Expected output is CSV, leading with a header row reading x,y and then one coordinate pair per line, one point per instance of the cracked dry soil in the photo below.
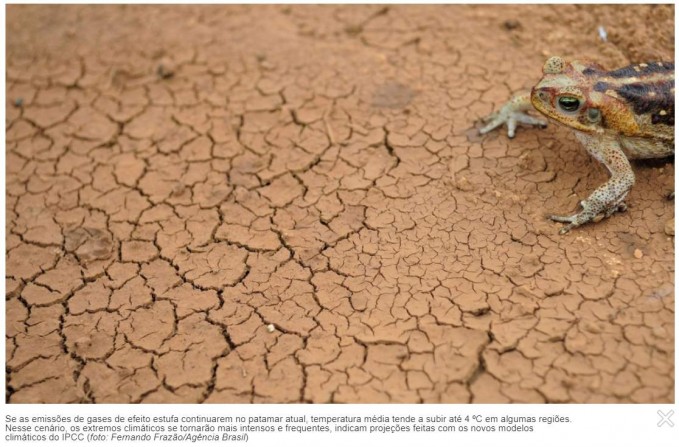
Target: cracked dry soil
x,y
291,204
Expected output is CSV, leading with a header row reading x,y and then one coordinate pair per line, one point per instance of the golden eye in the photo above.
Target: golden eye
x,y
569,104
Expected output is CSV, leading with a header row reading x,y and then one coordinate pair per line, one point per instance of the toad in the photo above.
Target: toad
x,y
616,115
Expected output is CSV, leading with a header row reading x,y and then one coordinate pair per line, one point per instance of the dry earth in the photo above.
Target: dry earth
x,y
291,204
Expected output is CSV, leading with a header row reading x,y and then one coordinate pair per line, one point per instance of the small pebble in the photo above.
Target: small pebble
x,y
638,254
178,189
511,24
659,332
669,227
593,328
270,328
166,68
18,102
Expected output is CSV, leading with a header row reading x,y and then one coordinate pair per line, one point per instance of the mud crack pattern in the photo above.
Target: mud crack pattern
x,y
290,204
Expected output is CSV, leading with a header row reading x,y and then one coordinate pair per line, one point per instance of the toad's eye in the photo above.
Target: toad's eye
x,y
569,104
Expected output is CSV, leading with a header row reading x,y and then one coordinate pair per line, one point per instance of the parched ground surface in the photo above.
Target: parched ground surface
x,y
291,204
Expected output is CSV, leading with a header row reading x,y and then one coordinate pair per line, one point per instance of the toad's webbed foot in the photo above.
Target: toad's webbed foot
x,y
512,114
587,213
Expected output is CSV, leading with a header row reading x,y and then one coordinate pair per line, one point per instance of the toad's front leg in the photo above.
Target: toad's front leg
x,y
607,198
511,114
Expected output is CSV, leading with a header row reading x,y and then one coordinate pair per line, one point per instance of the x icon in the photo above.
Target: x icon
x,y
665,418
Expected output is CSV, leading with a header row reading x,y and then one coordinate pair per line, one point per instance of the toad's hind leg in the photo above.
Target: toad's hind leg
x,y
609,197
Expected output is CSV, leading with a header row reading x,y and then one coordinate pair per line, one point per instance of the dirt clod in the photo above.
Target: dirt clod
x,y
669,227
89,244
511,24
166,68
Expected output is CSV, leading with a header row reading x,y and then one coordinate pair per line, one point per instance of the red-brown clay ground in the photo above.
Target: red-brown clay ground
x,y
291,204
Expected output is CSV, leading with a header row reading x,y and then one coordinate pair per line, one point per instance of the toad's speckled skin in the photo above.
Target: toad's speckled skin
x,y
617,115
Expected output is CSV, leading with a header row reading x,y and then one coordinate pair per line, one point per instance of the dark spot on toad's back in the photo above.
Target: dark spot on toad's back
x,y
600,87
654,98
591,71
